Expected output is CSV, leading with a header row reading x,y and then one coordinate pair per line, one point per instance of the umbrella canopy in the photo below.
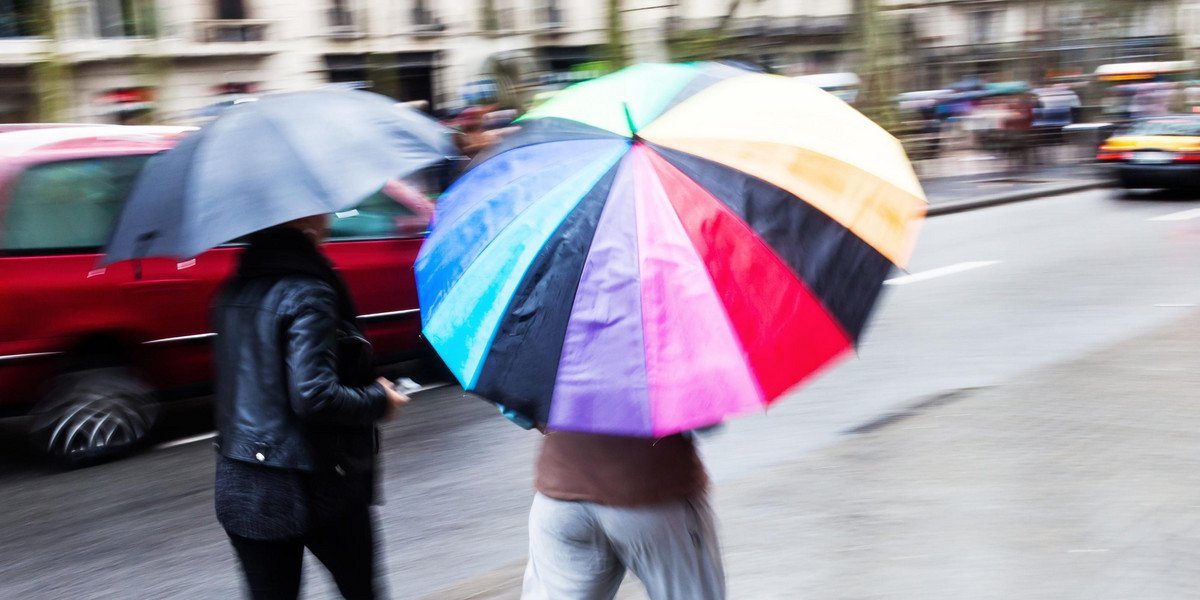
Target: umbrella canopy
x,y
665,247
264,163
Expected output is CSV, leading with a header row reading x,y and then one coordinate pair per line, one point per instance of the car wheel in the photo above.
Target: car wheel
x,y
93,415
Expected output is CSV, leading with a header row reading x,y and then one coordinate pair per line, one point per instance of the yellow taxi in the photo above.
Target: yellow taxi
x,y
1156,152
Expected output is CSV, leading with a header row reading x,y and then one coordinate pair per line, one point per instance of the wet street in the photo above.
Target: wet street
x,y
990,296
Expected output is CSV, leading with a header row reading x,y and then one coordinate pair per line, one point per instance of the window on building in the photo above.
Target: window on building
x,y
422,16
68,205
498,15
552,14
341,14
118,18
983,23
17,18
231,9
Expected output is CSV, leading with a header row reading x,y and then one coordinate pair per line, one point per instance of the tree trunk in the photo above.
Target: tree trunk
x,y
877,43
51,74
618,53
151,67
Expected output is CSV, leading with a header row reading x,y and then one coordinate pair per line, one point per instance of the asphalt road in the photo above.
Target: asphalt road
x,y
989,296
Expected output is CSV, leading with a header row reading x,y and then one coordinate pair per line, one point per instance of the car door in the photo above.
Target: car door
x,y
54,218
374,247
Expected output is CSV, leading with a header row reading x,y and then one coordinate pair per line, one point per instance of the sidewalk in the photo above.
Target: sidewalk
x,y
1080,481
971,176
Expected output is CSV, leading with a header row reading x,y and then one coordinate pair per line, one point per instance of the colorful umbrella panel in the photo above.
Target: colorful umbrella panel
x,y
664,248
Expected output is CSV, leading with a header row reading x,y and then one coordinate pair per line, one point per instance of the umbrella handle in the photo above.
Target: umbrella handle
x,y
140,248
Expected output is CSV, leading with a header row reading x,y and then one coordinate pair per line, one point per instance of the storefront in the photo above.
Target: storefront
x,y
565,59
17,100
405,76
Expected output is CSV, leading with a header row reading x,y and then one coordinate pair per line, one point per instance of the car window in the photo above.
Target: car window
x,y
380,216
1165,126
68,205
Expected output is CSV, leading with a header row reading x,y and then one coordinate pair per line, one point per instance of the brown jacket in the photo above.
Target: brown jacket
x,y
618,471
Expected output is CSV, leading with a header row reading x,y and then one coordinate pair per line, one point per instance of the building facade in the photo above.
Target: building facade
x,y
167,60
122,60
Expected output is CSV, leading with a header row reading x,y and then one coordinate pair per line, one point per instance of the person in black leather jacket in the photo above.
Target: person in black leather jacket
x,y
296,408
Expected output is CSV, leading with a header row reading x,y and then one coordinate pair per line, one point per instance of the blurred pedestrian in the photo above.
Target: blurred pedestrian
x,y
296,412
473,137
608,504
1019,142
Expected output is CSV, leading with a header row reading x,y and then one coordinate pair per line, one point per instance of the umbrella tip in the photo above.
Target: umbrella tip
x,y
629,120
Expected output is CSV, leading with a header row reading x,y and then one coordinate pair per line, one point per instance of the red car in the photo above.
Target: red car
x,y
88,352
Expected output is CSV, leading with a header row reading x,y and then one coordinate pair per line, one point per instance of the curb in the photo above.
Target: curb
x,y
950,208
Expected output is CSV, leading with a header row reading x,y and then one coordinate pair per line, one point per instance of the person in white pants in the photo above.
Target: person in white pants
x,y
608,505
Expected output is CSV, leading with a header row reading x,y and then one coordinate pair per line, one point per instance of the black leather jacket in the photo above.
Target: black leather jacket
x,y
282,398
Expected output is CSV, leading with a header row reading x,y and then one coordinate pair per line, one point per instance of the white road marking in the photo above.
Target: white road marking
x,y
1183,215
1176,305
187,440
940,272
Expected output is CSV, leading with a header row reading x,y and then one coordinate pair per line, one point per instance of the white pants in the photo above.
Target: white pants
x,y
580,551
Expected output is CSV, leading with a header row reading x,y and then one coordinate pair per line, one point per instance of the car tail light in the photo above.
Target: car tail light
x,y
1192,157
1113,156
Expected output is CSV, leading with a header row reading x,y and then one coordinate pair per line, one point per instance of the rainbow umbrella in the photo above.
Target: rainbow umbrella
x,y
665,247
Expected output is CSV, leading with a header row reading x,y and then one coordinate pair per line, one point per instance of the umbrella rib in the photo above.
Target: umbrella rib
x,y
574,178
185,234
727,319
479,202
750,228
756,239
918,202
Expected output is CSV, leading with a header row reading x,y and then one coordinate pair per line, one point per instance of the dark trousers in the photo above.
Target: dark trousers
x,y
346,546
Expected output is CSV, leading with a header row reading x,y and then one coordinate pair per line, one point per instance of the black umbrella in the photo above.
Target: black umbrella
x,y
268,162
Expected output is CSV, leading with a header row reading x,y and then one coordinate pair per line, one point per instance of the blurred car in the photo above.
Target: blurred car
x,y
87,353
1155,152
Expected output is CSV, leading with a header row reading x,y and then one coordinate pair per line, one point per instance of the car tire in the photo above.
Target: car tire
x,y
93,415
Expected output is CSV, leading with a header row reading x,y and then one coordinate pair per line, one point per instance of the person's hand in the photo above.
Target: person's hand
x,y
396,399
